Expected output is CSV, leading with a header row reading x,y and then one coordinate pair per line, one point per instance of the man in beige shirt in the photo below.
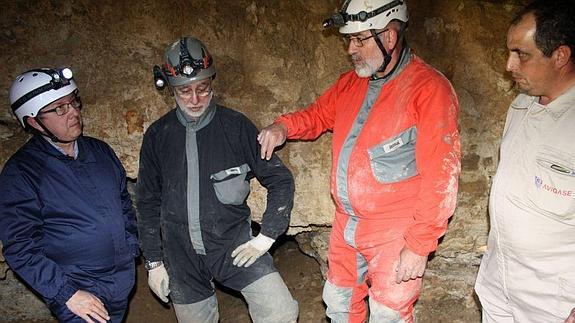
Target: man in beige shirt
x,y
528,271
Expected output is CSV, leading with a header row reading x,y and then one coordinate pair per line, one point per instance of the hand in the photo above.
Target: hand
x,y
247,253
571,318
159,282
270,137
411,265
88,307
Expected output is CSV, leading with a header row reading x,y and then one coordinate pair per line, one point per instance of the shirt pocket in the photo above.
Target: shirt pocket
x,y
394,160
231,186
553,187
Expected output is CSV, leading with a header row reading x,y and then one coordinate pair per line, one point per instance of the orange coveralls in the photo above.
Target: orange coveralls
x,y
394,180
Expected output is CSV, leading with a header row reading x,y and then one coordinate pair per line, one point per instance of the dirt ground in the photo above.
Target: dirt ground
x,y
301,273
303,277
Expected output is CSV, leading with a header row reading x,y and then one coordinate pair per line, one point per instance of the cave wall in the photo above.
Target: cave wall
x,y
271,57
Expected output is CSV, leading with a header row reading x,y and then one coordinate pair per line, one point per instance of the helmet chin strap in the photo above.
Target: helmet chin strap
x,y
49,134
386,56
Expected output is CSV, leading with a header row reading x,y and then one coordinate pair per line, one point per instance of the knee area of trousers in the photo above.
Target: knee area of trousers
x,y
205,311
337,298
379,312
269,300
287,313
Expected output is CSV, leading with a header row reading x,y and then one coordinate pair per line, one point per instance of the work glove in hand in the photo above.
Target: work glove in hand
x,y
159,282
247,253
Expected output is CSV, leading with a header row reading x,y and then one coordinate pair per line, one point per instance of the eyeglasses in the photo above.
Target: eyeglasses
x,y
186,92
62,109
358,41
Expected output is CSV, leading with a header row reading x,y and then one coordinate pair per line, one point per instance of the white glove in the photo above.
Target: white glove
x,y
159,282
247,253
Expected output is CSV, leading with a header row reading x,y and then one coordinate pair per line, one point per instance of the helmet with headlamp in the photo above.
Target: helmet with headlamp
x,y
360,15
187,60
33,90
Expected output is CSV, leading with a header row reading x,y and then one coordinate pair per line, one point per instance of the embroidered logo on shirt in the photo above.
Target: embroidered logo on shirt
x,y
538,182
393,145
554,190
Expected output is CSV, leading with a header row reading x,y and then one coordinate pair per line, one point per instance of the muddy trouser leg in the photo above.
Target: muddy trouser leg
x,y
345,290
345,304
389,301
381,313
269,300
205,311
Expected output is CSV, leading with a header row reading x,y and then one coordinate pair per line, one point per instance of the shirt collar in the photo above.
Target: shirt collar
x,y
560,105
555,108
75,152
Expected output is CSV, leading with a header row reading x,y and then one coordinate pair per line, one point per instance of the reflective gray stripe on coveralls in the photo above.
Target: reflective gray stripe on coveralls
x,y
349,143
193,187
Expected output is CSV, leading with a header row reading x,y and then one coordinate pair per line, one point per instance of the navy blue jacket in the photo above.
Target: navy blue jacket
x,y
68,224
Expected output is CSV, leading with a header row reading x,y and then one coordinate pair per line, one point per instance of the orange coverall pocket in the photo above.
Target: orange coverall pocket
x,y
394,159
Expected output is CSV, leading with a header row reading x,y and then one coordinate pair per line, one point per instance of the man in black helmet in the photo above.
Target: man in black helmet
x,y
66,218
194,223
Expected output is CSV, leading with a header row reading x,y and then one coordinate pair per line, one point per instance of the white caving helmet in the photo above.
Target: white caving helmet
x,y
360,15
187,60
33,90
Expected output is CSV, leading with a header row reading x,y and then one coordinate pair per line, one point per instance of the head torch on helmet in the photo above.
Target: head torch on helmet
x,y
341,18
34,89
60,78
186,62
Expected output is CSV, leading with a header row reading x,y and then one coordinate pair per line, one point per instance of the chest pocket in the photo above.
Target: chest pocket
x,y
394,160
231,186
553,186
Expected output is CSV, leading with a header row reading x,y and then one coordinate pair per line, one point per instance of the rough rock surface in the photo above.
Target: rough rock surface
x,y
272,57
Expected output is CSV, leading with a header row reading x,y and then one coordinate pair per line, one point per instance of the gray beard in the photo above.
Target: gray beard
x,y
364,71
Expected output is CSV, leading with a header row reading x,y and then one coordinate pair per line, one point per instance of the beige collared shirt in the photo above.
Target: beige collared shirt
x,y
531,249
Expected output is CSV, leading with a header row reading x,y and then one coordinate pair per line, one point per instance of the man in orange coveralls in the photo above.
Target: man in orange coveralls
x,y
395,164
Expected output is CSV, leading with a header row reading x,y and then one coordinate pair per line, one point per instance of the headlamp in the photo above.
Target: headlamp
x,y
185,59
187,67
341,18
187,70
67,73
337,20
60,77
159,78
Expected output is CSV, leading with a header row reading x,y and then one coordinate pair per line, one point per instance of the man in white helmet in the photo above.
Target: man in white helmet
x,y
195,166
395,164
66,218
